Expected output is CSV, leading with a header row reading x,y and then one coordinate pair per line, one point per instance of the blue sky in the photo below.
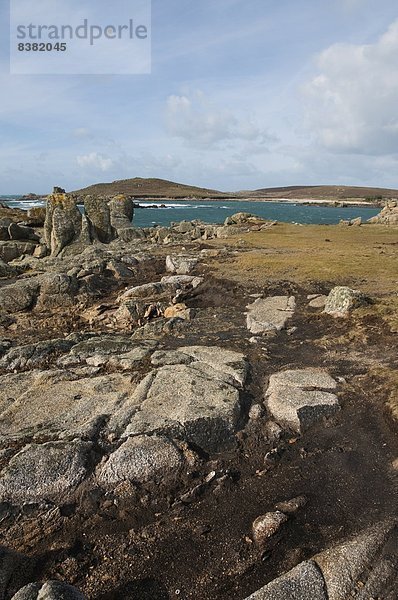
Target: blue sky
x,y
243,94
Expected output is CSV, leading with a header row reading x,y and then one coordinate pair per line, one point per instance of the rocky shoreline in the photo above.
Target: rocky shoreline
x,y
168,432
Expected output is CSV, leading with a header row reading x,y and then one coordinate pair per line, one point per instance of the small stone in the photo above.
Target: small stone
x,y
318,302
290,507
266,526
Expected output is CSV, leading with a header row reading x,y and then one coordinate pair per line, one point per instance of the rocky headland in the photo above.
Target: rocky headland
x,y
196,411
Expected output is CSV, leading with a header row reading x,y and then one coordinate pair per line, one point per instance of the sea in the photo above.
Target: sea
x,y
152,213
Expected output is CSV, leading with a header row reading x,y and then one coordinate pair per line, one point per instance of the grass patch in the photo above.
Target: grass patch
x,y
365,257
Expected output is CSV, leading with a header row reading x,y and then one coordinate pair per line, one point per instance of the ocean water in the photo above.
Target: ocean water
x,y
217,211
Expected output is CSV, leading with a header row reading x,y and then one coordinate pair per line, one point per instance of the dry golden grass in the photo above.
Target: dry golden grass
x,y
365,257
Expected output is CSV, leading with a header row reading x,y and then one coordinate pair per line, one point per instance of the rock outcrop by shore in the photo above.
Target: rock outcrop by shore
x,y
166,429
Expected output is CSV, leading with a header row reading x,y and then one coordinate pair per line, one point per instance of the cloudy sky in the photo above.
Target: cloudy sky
x,y
242,94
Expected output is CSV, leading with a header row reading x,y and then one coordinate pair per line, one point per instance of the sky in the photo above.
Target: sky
x,y
242,94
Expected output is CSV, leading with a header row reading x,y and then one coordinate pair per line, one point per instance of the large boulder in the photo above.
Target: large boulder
x,y
63,224
37,216
299,398
342,300
198,402
14,249
99,217
121,212
19,296
20,232
56,289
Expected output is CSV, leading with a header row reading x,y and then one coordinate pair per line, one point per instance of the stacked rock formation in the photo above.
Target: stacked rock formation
x,y
105,219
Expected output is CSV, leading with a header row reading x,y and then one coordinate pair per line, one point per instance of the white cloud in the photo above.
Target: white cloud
x,y
95,161
353,99
200,123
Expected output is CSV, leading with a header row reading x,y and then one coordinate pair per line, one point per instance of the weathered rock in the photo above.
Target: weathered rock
x,y
121,216
371,558
342,300
191,402
141,459
99,216
60,405
180,281
304,582
32,356
19,232
244,218
63,224
114,351
178,310
7,270
145,291
266,526
14,249
388,216
270,314
181,265
290,507
50,471
56,289
19,296
226,365
318,301
297,399
4,235
51,590
37,216
9,562
160,289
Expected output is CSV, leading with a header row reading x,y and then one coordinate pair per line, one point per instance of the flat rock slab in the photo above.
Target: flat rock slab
x,y
371,558
141,459
51,590
181,265
50,471
54,405
298,399
226,365
115,350
181,402
270,314
304,582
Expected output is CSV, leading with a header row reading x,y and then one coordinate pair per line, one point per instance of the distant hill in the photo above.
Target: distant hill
x,y
323,192
161,188
149,188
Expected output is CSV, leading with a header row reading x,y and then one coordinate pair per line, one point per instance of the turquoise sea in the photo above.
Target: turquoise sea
x,y
217,211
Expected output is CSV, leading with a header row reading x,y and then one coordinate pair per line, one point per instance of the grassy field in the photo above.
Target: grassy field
x,y
365,257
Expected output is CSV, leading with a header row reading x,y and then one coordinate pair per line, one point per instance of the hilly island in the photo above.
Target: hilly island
x,y
159,188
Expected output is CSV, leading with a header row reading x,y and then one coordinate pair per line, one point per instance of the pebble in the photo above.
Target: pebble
x,y
266,526
291,506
